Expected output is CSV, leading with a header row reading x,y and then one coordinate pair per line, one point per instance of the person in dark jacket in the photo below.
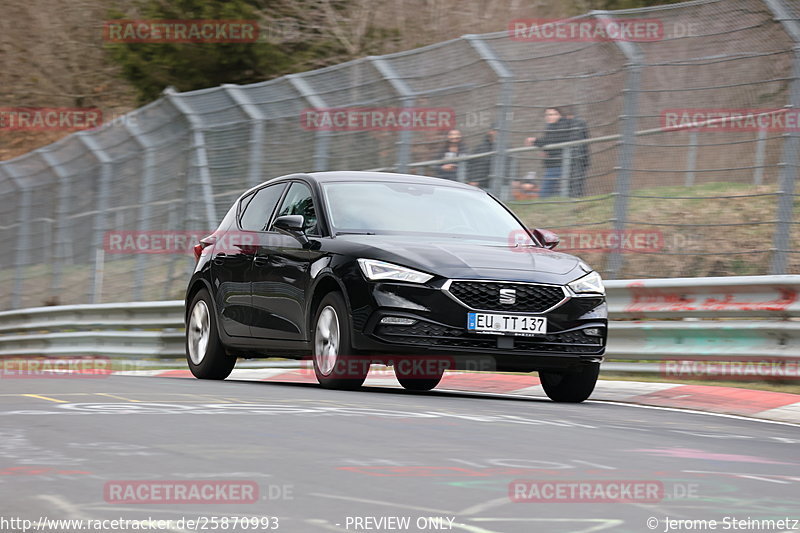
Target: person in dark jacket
x,y
558,131
579,166
480,170
453,147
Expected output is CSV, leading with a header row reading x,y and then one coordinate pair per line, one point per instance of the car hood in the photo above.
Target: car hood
x,y
457,258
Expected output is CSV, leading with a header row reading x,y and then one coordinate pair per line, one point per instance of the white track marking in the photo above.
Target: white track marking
x,y
474,529
746,475
75,512
759,478
64,505
605,523
610,402
324,524
475,509
379,502
640,406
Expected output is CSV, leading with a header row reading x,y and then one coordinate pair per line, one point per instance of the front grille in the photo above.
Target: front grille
x,y
422,329
428,334
485,296
520,345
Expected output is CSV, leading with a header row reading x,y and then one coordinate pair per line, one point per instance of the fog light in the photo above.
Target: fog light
x,y
397,321
593,332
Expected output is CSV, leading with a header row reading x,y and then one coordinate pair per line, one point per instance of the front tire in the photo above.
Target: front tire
x,y
570,388
205,353
424,378
334,363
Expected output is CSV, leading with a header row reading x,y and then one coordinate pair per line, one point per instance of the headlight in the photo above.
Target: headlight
x,y
379,270
590,283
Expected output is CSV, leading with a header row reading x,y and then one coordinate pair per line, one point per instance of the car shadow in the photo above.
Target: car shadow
x,y
441,393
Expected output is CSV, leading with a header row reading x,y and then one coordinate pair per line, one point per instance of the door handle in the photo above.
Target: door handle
x,y
261,260
219,259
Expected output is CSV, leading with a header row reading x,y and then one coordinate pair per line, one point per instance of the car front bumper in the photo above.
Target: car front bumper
x,y
440,329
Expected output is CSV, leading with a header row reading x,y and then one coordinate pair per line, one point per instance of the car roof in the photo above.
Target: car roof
x,y
353,175
356,175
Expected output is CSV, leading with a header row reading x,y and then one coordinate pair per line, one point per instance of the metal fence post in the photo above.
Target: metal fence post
x,y
691,159
22,252
145,199
630,107
461,171
788,177
172,221
781,243
497,174
257,119
12,198
408,99
61,238
101,208
566,169
21,256
761,150
200,163
321,137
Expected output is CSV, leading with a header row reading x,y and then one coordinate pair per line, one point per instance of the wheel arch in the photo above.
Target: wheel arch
x,y
326,284
195,287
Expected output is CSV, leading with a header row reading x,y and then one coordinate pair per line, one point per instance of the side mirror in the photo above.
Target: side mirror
x,y
293,225
289,223
549,239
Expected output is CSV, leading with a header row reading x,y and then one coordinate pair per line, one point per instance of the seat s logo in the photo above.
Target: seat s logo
x,y
508,296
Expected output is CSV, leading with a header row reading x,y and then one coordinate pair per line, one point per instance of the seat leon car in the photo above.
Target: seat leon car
x,y
423,274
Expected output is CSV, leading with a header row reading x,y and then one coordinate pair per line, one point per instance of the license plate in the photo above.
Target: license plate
x,y
506,324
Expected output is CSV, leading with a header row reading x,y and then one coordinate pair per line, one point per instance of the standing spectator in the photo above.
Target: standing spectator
x,y
558,131
479,170
453,147
579,166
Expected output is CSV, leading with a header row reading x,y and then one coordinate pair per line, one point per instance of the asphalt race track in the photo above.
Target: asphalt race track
x,y
323,460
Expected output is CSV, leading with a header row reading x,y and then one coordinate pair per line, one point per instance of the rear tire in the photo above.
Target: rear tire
x,y
570,388
335,365
205,353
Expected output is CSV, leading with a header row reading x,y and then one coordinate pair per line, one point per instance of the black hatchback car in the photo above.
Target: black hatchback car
x,y
425,274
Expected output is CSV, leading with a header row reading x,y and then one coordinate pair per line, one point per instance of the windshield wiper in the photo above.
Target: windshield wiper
x,y
354,233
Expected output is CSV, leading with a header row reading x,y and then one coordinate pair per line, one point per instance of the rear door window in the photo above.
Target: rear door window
x,y
260,206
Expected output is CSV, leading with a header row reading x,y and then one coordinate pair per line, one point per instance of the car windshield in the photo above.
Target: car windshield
x,y
403,208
